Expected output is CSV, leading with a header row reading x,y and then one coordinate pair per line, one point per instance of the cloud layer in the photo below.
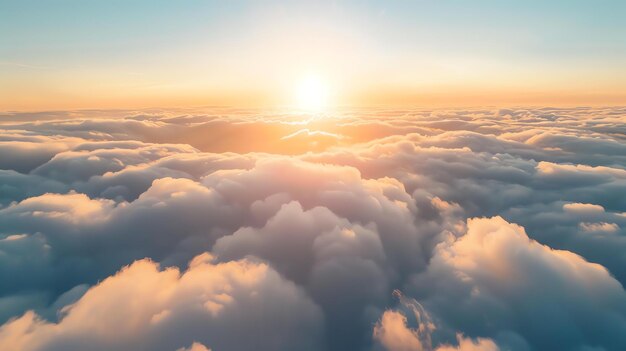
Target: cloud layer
x,y
168,230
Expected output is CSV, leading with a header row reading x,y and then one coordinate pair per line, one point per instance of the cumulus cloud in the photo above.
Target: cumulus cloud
x,y
582,208
504,229
394,334
599,227
551,298
145,308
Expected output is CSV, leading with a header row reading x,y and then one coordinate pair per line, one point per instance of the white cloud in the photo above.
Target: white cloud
x,y
142,307
336,224
599,227
582,208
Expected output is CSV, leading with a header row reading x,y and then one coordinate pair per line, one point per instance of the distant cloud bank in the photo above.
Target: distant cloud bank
x,y
394,230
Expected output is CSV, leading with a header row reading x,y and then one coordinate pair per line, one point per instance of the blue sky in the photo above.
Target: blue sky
x,y
255,48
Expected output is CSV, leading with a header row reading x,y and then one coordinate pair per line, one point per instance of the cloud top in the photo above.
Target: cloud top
x,y
418,229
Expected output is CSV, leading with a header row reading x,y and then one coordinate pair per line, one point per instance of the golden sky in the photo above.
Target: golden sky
x,y
87,55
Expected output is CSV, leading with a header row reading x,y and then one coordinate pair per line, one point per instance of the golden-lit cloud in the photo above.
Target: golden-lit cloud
x,y
398,229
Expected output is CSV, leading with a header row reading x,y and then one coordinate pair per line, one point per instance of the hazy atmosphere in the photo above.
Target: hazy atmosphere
x,y
333,175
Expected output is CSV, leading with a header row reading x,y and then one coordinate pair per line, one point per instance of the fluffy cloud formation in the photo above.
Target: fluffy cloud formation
x,y
508,226
394,334
144,308
554,298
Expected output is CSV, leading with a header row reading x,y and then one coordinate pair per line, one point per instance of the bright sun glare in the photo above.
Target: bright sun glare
x,y
312,94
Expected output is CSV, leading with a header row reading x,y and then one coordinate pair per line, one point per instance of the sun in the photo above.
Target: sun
x,y
312,94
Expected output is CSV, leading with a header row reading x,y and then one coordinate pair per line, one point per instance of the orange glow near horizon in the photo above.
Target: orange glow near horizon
x,y
313,98
361,57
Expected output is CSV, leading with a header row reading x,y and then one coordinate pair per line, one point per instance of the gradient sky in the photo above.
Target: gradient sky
x,y
104,54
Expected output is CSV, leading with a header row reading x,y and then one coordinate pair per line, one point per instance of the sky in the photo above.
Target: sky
x,y
119,54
